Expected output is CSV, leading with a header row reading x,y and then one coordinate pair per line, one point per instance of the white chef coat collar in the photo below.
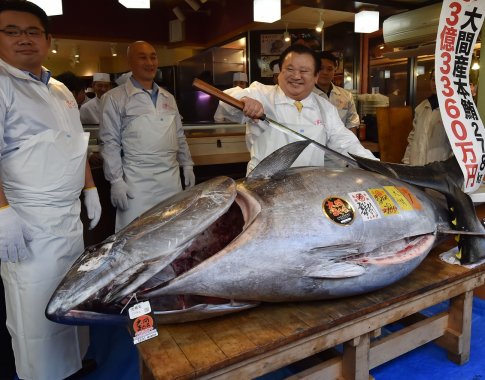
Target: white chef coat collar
x,y
134,87
281,98
45,74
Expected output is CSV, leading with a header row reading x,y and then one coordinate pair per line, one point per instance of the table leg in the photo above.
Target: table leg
x,y
456,339
355,361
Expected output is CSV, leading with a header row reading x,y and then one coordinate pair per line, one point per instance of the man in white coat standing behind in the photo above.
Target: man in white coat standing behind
x,y
144,142
90,111
43,170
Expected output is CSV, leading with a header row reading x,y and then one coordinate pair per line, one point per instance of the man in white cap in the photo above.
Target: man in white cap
x,y
240,80
90,110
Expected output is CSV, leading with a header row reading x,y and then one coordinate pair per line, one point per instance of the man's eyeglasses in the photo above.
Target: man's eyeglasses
x,y
17,32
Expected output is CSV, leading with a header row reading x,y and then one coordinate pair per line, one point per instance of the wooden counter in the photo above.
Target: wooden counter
x,y
261,340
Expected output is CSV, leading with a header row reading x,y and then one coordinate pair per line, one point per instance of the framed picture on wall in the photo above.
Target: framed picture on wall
x,y
273,44
264,62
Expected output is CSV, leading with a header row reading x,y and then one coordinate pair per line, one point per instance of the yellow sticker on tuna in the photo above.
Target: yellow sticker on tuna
x,y
384,202
399,198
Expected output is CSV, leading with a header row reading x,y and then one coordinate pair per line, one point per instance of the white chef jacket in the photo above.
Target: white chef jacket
x,y
42,166
317,120
427,141
344,102
116,117
90,111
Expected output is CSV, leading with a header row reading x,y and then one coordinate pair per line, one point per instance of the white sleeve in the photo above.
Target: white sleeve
x,y
110,135
342,139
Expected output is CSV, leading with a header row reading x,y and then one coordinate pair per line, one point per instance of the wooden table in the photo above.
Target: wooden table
x,y
261,340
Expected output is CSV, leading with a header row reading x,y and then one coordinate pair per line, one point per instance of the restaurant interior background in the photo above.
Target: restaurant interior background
x,y
219,37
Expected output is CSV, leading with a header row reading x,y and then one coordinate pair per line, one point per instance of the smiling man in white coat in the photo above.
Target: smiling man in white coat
x,y
144,142
293,103
43,170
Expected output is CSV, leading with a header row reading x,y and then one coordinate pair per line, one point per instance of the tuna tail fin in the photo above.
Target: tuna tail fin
x,y
279,160
445,177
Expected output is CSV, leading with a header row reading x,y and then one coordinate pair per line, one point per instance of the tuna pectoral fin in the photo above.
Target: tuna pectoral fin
x,y
279,160
335,270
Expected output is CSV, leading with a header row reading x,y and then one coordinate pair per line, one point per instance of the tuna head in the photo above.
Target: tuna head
x,y
150,251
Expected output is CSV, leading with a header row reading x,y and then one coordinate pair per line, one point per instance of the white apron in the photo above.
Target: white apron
x,y
42,181
150,165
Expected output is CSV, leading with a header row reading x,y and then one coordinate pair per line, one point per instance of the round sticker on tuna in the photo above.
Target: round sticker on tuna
x,y
338,210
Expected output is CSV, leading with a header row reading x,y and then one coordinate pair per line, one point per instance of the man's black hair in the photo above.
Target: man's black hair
x,y
328,55
28,7
301,49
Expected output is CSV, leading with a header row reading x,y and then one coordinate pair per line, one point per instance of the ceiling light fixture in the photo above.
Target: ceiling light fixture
x,y
114,53
136,4
194,4
366,22
319,26
286,35
267,10
178,12
50,7
54,47
203,1
475,63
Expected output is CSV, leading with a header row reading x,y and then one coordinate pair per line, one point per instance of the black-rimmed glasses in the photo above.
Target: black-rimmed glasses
x,y
17,32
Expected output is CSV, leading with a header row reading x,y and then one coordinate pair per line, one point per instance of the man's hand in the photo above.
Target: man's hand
x,y
189,176
93,206
252,108
13,235
120,194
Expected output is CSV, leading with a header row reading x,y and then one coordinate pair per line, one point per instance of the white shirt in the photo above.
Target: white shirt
x,y
317,120
90,111
119,107
427,141
344,102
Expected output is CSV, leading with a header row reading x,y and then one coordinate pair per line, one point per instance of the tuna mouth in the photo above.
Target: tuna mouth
x,y
110,304
166,309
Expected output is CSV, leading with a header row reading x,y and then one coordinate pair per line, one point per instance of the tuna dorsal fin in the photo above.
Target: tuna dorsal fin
x,y
279,160
442,176
447,178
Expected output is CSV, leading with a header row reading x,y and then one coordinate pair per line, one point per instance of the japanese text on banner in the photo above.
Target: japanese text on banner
x,y
459,27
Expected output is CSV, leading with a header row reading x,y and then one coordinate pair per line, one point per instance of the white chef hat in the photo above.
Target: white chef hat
x,y
240,77
101,77
123,78
89,89
276,69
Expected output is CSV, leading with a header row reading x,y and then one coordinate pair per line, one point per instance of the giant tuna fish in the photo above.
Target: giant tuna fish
x,y
280,234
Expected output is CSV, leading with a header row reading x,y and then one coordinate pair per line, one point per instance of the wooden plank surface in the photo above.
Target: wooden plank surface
x,y
198,348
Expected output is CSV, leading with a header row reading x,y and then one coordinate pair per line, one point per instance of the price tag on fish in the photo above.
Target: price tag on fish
x,y
143,326
139,308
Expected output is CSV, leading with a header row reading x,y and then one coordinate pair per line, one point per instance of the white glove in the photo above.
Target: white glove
x,y
93,207
120,194
13,235
189,176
